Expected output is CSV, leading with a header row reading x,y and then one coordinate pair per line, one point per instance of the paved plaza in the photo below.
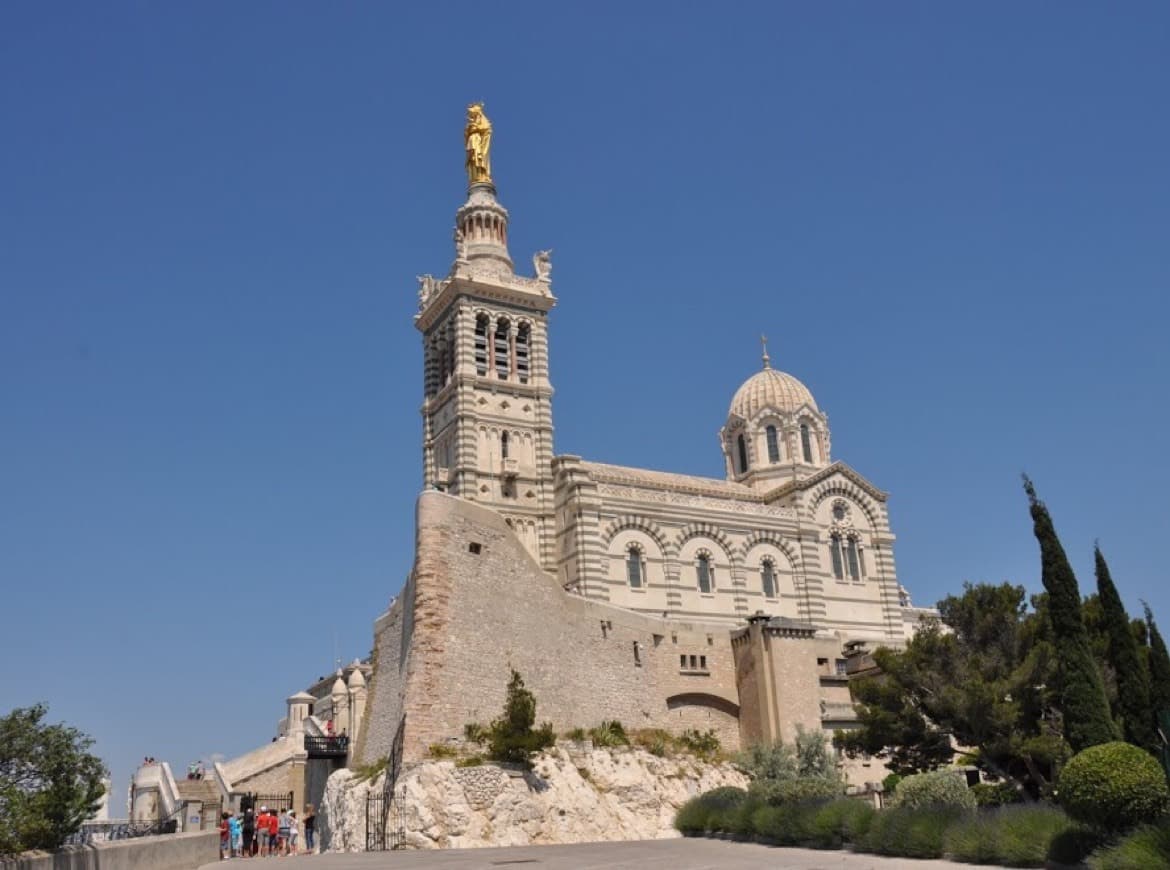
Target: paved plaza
x,y
678,854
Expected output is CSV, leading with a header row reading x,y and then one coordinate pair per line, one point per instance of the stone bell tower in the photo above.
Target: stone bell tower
x,y
487,413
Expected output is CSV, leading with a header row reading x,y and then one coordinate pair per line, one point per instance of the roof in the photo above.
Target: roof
x,y
773,389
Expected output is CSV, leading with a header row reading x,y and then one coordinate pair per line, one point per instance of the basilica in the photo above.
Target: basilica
x,y
740,605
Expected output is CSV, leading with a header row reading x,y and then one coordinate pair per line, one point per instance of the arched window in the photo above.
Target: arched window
x,y
743,459
835,553
773,444
851,559
768,578
503,353
504,445
635,568
523,352
706,574
806,442
481,344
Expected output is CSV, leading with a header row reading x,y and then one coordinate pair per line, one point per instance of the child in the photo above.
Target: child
x,y
292,832
235,831
224,836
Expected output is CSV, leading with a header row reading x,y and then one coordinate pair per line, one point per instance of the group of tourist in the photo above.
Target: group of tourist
x,y
270,834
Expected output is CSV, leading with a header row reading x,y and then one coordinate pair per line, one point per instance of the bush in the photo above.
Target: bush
x,y
697,814
909,833
1113,786
474,732
1145,848
1071,847
654,740
441,750
470,761
609,733
1017,836
998,794
704,744
890,783
799,790
945,788
512,736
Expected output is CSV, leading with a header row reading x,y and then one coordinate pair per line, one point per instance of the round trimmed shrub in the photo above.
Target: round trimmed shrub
x,y
1113,786
939,788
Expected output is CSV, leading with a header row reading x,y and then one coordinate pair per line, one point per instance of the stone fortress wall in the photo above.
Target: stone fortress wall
x,y
482,606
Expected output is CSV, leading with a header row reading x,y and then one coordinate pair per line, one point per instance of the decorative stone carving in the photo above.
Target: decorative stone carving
x,y
542,263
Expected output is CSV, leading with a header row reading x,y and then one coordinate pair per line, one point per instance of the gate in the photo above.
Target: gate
x,y
276,802
385,828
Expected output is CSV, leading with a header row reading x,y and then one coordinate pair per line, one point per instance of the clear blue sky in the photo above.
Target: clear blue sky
x,y
952,221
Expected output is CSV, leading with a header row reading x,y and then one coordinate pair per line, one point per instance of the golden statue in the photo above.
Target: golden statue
x,y
477,142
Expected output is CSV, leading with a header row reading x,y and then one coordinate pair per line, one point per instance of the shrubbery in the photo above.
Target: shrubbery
x,y
939,788
1145,848
693,817
1015,836
512,737
909,832
609,733
997,794
802,788
1113,786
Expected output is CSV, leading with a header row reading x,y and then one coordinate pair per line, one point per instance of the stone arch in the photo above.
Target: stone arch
x,y
641,524
759,537
703,699
848,490
712,532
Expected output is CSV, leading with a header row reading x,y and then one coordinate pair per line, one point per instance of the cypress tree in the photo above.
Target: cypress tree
x,y
1133,680
1084,704
1159,667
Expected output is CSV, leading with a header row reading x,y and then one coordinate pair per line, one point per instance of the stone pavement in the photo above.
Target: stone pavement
x,y
676,854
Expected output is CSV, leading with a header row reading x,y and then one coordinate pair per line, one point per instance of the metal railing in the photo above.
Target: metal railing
x,y
327,747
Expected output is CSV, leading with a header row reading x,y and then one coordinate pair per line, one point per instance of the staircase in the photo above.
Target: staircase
x,y
203,800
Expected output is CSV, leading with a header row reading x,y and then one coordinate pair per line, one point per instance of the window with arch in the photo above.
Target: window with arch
x,y
523,352
806,442
837,557
743,457
706,573
503,354
635,567
481,344
773,444
768,578
853,559
503,445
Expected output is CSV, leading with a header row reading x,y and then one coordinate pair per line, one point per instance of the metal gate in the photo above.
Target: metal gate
x,y
276,802
385,827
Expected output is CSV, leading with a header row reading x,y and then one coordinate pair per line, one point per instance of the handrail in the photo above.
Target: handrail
x,y
169,803
221,780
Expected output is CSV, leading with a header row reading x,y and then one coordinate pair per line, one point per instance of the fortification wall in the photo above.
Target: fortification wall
x,y
387,683
482,606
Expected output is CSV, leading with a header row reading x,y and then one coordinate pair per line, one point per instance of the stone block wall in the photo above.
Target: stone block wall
x,y
482,606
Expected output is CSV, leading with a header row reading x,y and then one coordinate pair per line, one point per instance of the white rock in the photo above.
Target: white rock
x,y
624,794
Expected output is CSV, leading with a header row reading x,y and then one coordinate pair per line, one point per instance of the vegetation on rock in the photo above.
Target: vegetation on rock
x,y
512,736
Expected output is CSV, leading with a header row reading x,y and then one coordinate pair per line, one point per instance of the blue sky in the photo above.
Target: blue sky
x,y
951,221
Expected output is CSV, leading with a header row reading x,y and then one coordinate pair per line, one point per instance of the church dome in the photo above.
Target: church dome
x,y
772,389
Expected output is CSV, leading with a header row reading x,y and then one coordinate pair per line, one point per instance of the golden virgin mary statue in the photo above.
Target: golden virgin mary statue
x,y
477,142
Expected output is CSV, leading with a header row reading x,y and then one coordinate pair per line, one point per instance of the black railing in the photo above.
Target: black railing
x,y
327,747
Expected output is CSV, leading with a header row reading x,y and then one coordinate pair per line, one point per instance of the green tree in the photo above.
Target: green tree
x,y
512,736
1083,702
983,682
1133,680
49,781
1159,667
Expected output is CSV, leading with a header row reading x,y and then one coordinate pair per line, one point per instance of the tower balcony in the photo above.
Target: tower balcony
x,y
509,467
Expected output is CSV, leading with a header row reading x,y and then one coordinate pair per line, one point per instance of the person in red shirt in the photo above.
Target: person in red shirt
x,y
262,831
273,833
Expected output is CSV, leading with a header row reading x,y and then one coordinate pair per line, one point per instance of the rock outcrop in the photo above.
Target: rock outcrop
x,y
569,796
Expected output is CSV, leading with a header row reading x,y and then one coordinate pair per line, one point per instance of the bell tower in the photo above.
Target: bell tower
x,y
487,412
